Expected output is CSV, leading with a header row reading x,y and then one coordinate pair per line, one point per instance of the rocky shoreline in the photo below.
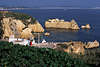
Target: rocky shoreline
x,y
75,47
19,25
79,47
23,28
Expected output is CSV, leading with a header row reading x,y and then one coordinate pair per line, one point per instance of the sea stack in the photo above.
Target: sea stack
x,y
87,26
47,34
61,24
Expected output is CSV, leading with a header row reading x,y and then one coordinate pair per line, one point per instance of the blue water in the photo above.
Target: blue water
x,y
51,3
82,16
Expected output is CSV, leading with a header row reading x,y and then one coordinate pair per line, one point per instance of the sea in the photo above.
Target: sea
x,y
81,16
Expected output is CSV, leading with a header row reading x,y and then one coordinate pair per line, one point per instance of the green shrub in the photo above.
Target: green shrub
x,y
25,56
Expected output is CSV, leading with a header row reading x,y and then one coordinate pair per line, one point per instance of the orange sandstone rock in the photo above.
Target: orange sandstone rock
x,y
56,23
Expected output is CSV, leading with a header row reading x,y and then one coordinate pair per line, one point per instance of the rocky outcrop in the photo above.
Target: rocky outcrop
x,y
92,44
56,23
11,26
87,26
46,34
26,33
74,25
36,27
75,47
18,28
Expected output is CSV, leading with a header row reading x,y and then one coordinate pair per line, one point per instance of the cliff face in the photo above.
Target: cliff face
x,y
26,33
19,28
56,23
74,25
36,27
11,26
6,28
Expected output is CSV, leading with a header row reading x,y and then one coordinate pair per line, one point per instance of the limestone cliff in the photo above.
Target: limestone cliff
x,y
74,25
14,24
26,33
56,23
36,27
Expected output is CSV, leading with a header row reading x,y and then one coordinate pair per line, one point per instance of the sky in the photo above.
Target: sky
x,y
51,3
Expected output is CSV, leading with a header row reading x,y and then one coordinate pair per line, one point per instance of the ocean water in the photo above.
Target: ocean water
x,y
82,17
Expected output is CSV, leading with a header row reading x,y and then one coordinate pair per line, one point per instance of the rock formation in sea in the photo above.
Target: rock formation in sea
x,y
56,23
47,34
87,26
18,24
